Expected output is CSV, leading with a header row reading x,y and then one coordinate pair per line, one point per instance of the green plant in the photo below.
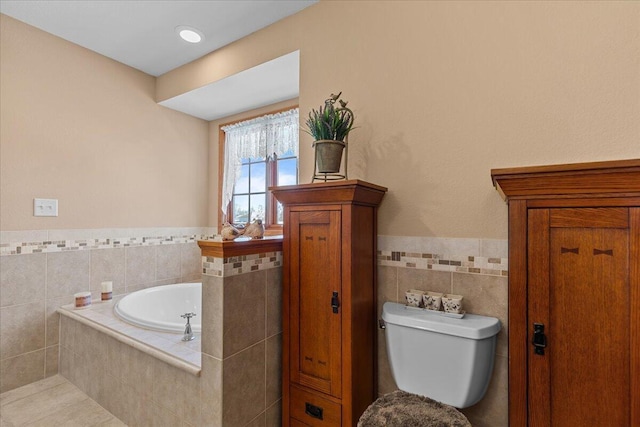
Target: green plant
x,y
330,122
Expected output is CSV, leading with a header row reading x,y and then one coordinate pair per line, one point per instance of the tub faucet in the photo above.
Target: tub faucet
x,y
188,333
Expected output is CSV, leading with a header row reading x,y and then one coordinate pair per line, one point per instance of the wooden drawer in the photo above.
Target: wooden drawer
x,y
313,410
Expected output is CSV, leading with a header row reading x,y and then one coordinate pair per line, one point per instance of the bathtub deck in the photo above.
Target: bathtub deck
x,y
53,401
167,347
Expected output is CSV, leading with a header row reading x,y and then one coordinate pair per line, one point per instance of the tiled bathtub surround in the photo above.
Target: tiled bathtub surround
x,y
139,389
485,293
243,345
34,285
165,346
240,359
219,267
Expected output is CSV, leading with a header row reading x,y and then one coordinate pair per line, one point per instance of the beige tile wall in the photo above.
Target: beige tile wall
x,y
135,387
474,268
241,360
244,314
483,294
243,347
34,285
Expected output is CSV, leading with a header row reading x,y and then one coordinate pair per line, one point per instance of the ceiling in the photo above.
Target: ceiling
x,y
141,34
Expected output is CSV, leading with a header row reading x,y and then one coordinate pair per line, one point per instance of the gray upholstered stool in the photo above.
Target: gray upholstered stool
x,y
402,409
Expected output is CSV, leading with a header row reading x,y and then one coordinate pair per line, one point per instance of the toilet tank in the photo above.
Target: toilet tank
x,y
446,359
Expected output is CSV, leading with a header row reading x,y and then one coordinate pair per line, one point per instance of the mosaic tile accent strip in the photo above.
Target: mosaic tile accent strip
x,y
426,261
47,246
225,267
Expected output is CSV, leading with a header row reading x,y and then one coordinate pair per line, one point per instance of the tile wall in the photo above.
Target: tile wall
x,y
240,359
41,270
137,388
474,268
241,352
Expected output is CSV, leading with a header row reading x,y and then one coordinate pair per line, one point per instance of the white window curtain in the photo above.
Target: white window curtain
x,y
260,137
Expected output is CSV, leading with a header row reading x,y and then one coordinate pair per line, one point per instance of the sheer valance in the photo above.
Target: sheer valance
x,y
263,137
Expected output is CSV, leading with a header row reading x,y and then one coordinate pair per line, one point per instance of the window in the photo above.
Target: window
x,y
258,153
250,197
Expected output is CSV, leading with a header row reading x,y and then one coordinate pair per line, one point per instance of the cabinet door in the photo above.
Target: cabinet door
x,y
581,293
315,326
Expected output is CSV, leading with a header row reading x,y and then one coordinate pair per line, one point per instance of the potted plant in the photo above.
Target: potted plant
x,y
330,125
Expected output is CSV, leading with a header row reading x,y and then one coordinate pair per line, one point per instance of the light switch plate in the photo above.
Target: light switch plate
x,y
45,207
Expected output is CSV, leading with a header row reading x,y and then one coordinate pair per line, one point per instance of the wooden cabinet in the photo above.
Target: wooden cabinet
x,y
574,294
329,295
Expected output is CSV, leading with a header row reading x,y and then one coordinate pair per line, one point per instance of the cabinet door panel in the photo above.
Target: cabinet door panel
x,y
579,287
589,317
315,327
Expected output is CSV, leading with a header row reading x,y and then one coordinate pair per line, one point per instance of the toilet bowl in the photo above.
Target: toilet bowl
x,y
446,359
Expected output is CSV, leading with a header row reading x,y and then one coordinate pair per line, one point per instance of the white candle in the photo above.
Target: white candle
x,y
106,294
107,286
83,299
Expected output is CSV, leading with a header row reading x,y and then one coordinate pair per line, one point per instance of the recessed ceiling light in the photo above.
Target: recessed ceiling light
x,y
189,34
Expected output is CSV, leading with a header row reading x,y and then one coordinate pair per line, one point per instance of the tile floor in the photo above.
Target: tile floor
x,y
51,402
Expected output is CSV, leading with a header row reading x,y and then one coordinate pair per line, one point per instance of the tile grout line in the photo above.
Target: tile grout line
x,y
46,295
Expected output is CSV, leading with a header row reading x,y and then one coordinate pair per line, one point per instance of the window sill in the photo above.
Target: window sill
x,y
240,246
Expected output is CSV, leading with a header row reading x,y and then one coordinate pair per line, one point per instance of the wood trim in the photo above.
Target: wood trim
x,y
347,278
597,179
518,344
286,315
584,202
240,246
569,167
538,312
589,217
351,191
634,298
221,145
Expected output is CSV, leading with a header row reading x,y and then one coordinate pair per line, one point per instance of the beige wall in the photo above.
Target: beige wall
x,y
86,130
445,91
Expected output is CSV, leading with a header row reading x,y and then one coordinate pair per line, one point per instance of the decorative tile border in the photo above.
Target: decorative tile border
x,y
472,264
233,266
108,239
474,256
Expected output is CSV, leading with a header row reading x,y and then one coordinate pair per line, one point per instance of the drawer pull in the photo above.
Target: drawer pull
x,y
313,410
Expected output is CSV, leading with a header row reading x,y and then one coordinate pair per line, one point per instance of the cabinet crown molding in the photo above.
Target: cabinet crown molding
x,y
620,178
350,191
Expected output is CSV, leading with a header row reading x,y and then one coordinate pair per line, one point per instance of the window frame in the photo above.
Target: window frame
x,y
271,226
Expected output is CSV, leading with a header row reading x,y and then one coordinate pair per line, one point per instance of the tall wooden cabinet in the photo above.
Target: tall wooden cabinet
x,y
329,297
574,294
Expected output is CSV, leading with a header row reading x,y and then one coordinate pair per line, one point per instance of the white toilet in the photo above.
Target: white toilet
x,y
447,359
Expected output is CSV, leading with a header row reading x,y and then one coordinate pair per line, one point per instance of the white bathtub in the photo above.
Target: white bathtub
x,y
159,308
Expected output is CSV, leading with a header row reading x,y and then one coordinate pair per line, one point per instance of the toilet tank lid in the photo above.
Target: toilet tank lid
x,y
471,326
